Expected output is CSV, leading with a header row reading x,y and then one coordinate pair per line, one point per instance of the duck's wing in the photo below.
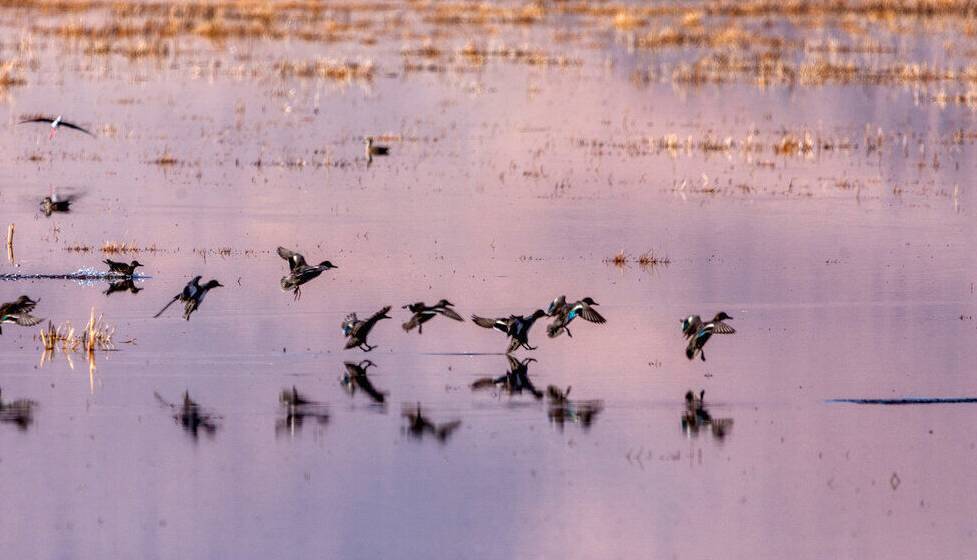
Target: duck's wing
x,y
691,325
294,259
76,127
39,119
588,313
498,324
25,319
449,313
556,305
719,327
382,314
115,266
413,323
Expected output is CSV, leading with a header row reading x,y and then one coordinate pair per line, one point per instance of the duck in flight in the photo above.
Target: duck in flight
x,y
698,333
357,331
121,268
192,296
56,203
56,123
423,313
300,272
19,312
564,313
516,327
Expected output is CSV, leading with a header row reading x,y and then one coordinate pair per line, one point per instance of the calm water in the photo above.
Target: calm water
x,y
849,274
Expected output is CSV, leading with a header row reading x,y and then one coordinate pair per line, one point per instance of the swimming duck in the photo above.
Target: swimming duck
x,y
122,268
514,382
565,313
19,312
423,313
19,412
418,425
698,333
374,149
299,272
356,378
515,326
192,296
357,330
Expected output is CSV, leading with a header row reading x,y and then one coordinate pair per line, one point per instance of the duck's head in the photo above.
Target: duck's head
x,y
538,313
721,316
134,264
445,303
589,301
213,284
24,299
327,265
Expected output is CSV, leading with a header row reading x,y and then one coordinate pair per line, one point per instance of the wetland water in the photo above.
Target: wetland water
x,y
832,217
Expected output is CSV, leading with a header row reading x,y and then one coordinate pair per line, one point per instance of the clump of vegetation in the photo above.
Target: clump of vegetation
x,y
165,159
96,335
116,247
648,259
329,69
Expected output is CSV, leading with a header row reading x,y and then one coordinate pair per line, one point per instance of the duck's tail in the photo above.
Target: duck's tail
x,y
554,330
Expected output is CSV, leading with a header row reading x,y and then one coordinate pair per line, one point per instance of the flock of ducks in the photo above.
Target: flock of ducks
x,y
516,328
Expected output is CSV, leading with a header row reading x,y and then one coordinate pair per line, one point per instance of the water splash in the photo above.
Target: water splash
x,y
86,276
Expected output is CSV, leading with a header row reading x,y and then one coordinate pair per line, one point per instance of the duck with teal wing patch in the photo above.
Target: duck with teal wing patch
x,y
564,313
698,333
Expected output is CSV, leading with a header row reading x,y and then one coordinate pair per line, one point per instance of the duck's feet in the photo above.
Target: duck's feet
x,y
528,347
702,355
366,347
570,334
297,295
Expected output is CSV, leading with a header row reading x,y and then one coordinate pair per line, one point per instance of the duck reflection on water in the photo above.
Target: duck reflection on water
x,y
297,409
514,382
126,285
356,379
563,410
191,416
419,426
696,417
19,412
